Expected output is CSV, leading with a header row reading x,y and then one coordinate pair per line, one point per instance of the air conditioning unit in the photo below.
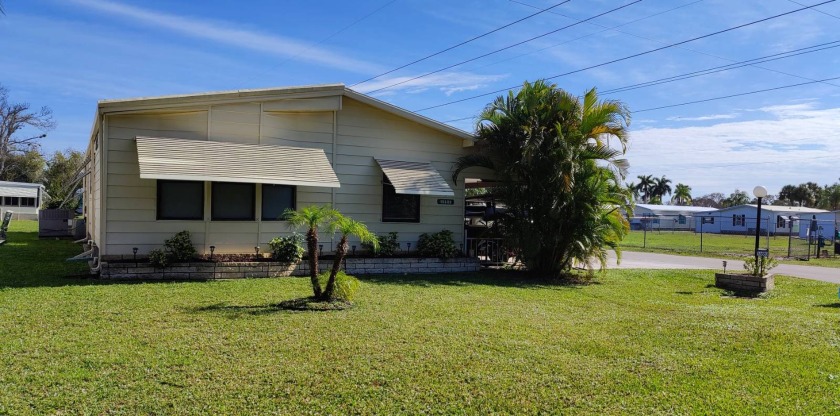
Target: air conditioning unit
x,y
55,223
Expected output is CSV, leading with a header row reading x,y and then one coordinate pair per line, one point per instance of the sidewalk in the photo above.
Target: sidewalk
x,y
638,260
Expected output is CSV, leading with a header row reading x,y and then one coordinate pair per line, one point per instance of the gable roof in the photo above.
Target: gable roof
x,y
675,208
777,208
264,94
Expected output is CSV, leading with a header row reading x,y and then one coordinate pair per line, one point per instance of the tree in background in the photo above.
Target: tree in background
x,y
561,181
634,190
27,166
645,187
712,200
661,187
830,197
60,178
13,118
736,198
787,193
682,194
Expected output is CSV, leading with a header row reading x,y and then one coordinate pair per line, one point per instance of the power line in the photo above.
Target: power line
x,y
736,65
816,10
736,95
649,39
708,71
462,43
506,47
634,55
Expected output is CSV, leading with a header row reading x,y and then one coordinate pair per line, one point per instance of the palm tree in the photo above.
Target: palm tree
x,y
682,194
645,186
633,188
313,216
787,193
661,187
561,182
347,227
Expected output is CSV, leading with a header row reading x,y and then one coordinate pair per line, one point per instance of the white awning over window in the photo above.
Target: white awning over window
x,y
415,178
200,160
18,191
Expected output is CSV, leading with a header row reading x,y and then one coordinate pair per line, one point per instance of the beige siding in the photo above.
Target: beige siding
x,y
363,132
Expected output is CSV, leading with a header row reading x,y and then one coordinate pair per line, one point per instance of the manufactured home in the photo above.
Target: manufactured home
x,y
741,219
664,217
23,199
824,224
225,165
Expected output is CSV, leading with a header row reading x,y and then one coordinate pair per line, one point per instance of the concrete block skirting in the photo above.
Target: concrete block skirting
x,y
744,282
238,270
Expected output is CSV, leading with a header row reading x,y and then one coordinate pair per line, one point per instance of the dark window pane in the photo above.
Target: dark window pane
x,y
399,207
275,200
233,201
27,202
11,201
180,200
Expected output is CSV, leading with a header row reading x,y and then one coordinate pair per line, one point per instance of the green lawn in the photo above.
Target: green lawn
x,y
636,342
717,245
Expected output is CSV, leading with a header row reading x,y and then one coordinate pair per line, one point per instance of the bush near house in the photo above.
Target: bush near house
x,y
439,244
287,249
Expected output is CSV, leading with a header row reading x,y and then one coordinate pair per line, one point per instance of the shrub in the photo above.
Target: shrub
x,y
287,249
388,245
439,244
180,246
763,267
346,286
158,258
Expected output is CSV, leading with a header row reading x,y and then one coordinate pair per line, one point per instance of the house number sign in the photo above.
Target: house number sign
x,y
446,202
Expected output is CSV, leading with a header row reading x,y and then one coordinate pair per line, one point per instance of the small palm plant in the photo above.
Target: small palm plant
x,y
313,216
347,227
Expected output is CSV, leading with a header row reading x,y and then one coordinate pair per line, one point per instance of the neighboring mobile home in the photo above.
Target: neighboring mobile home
x,y
225,165
24,199
665,217
781,220
824,223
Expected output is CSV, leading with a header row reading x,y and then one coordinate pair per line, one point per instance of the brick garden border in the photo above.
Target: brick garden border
x,y
745,283
239,270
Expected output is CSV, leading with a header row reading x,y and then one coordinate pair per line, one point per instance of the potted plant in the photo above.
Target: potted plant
x,y
756,279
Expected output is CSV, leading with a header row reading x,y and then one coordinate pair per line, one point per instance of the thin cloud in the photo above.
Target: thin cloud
x,y
705,118
448,82
226,33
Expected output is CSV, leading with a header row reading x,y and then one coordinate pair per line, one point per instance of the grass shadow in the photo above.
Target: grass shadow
x,y
500,278
306,304
835,305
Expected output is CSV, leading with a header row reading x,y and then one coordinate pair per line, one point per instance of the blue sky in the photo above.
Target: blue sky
x,y
67,54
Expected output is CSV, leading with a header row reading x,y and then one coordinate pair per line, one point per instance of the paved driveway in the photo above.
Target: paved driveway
x,y
638,260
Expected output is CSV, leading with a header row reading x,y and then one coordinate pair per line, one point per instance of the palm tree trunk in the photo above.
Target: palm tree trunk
x,y
312,243
340,252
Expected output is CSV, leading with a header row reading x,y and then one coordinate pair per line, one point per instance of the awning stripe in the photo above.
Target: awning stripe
x,y
415,178
18,191
200,160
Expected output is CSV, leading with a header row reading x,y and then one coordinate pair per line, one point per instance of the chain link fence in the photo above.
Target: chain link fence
x,y
735,235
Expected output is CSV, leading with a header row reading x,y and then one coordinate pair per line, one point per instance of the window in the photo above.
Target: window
x,y
781,222
735,220
275,200
739,220
27,202
233,201
180,200
681,219
11,201
398,207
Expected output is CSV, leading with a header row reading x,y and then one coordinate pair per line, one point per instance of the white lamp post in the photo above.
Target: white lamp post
x,y
759,192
